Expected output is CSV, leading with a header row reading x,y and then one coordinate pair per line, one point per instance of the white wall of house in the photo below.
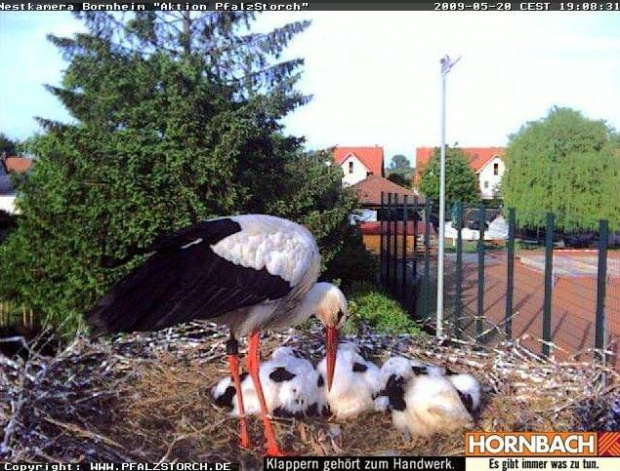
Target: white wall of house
x,y
490,176
354,170
7,203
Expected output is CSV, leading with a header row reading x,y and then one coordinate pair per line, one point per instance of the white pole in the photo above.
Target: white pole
x,y
446,65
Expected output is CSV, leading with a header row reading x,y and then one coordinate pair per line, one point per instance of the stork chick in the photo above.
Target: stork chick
x,y
394,373
290,386
355,385
469,390
422,400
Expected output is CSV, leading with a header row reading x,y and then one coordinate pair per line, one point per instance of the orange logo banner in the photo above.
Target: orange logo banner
x,y
609,444
551,444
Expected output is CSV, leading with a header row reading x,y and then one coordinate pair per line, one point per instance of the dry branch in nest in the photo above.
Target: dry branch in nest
x,y
145,397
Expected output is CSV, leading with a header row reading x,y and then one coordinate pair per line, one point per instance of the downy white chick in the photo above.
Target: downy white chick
x,y
356,382
422,400
431,404
395,371
290,385
469,390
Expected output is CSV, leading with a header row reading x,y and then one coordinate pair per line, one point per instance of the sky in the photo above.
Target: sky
x,y
375,76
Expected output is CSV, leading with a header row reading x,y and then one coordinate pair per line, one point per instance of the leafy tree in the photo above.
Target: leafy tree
x,y
565,164
177,119
8,145
400,171
461,180
400,162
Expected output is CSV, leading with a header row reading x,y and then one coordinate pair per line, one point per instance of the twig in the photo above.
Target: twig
x,y
84,433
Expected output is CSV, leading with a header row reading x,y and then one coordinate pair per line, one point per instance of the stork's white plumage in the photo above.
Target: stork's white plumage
x,y
422,399
469,389
407,367
432,405
290,385
248,272
356,383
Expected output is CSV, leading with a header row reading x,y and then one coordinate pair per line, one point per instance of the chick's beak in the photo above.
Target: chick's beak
x,y
332,349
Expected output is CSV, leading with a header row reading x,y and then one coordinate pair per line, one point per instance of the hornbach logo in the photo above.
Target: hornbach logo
x,y
531,443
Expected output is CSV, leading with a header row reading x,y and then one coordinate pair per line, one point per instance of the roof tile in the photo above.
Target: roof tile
x,y
18,164
372,157
369,190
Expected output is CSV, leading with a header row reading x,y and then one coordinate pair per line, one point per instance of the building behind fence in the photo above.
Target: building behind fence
x,y
503,281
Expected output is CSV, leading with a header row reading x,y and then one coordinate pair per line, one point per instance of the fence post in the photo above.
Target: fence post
x,y
381,242
395,241
427,257
388,253
510,266
480,310
404,259
599,339
548,284
458,305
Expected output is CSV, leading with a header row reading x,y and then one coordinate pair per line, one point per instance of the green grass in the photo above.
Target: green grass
x,y
367,303
471,246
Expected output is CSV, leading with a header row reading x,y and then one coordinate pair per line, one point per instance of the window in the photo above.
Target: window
x,y
350,167
486,185
495,168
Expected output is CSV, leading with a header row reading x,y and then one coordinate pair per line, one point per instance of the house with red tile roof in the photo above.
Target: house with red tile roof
x,y
487,162
369,194
369,191
364,170
8,166
359,163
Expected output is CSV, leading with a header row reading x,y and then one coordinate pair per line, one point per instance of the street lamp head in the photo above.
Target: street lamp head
x,y
447,63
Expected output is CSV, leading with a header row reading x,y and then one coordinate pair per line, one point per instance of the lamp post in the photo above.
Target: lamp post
x,y
446,65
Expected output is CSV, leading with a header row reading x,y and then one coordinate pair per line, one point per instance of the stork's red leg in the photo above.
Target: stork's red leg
x,y
233,362
253,360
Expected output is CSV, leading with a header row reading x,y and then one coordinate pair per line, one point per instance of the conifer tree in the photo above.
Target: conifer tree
x,y
176,117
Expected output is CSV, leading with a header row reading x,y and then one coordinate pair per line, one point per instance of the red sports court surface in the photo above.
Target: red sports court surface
x,y
573,303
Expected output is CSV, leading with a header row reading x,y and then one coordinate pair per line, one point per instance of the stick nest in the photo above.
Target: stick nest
x,y
145,398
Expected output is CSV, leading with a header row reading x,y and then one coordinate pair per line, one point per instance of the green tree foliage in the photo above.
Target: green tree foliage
x,y
8,145
400,171
461,180
399,179
400,162
565,164
177,119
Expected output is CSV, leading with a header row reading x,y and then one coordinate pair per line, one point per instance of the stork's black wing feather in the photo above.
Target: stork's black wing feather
x,y
184,280
215,230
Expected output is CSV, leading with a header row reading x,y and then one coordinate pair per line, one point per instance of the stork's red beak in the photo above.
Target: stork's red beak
x,y
332,349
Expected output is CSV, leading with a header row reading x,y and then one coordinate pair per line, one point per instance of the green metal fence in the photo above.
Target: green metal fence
x,y
557,293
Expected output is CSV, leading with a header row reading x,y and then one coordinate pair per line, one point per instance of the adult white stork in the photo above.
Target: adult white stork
x,y
248,272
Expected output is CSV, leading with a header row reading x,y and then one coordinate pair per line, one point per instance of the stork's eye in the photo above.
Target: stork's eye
x,y
340,316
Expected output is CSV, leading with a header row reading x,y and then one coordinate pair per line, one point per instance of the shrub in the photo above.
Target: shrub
x,y
353,263
368,304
